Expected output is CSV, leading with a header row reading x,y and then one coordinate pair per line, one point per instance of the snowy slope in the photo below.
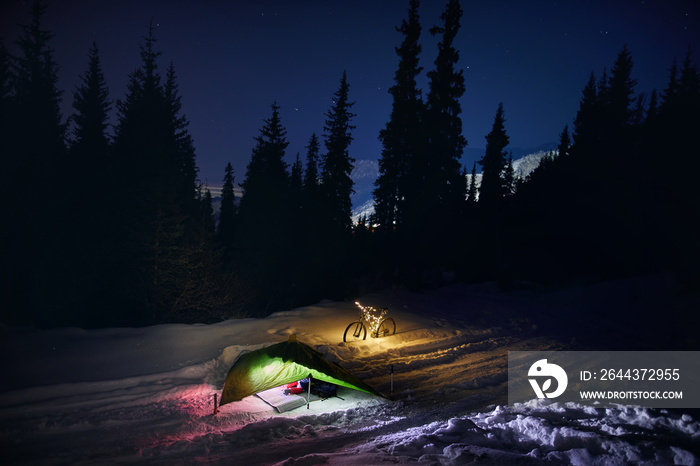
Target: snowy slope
x,y
145,396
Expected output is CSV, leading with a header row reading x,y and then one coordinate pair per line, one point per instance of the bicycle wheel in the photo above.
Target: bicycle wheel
x,y
355,331
386,327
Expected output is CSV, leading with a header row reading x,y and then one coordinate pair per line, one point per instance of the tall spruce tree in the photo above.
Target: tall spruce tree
x,y
154,180
399,181
142,130
87,164
39,134
32,178
264,204
676,124
312,214
227,212
586,134
88,152
208,222
493,163
311,176
182,157
621,91
296,184
264,212
91,117
445,184
336,184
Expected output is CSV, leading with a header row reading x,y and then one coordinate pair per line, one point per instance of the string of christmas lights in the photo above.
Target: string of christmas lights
x,y
369,315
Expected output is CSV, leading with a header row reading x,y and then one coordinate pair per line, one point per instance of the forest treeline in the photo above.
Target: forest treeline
x,y
107,227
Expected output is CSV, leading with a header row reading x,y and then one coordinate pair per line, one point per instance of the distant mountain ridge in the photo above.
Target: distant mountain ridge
x,y
365,173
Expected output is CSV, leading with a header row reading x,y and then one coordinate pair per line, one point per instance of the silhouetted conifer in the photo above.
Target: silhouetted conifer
x,y
208,221
296,183
311,176
227,212
586,134
91,117
265,201
312,213
33,170
336,184
182,152
493,163
154,179
87,167
399,184
676,124
445,190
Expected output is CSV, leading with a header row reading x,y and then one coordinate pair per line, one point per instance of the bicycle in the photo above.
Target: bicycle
x,y
377,324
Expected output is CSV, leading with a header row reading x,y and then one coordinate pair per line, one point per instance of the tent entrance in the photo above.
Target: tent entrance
x,y
276,398
294,395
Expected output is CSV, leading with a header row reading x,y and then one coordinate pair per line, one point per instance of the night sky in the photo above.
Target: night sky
x,y
235,58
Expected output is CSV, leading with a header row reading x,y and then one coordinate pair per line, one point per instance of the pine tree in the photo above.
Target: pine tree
x,y
296,183
493,163
155,201
227,212
676,124
139,144
445,185
399,168
38,131
182,156
311,177
587,122
32,179
142,130
621,91
336,184
264,205
207,221
89,151
92,106
313,212
86,168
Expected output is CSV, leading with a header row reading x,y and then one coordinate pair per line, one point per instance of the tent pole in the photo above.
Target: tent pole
x,y
308,395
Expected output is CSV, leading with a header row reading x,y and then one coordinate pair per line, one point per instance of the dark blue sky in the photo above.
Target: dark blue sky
x,y
234,58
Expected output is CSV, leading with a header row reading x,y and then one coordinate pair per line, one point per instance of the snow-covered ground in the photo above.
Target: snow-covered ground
x,y
120,396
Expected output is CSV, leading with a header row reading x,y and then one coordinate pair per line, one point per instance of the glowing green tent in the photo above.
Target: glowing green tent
x,y
281,364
